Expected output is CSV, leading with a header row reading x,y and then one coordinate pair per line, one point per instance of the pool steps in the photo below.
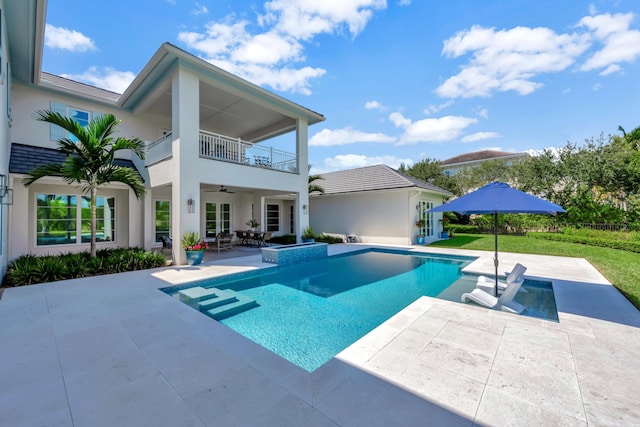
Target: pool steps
x,y
215,302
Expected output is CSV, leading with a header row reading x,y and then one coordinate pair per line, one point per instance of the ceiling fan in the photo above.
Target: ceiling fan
x,y
222,189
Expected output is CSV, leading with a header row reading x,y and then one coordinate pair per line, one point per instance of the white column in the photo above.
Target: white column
x,y
302,205
185,103
148,213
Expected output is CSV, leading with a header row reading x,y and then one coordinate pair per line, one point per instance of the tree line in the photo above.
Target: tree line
x,y
596,182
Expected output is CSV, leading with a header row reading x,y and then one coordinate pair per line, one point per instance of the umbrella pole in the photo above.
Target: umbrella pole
x,y
495,259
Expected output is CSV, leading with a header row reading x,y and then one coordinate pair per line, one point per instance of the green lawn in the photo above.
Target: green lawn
x,y
621,268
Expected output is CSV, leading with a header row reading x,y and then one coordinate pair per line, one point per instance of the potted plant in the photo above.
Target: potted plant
x,y
253,224
194,247
308,236
420,224
445,233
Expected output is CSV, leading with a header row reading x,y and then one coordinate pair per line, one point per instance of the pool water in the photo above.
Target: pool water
x,y
308,313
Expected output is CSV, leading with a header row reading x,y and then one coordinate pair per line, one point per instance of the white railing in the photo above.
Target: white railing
x,y
220,147
159,149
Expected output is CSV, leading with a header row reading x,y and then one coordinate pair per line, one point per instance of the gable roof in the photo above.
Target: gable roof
x,y
26,157
372,178
479,155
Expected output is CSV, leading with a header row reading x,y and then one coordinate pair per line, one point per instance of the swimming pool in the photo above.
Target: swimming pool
x,y
308,313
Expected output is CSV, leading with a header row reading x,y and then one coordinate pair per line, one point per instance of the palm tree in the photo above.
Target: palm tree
x,y
315,187
90,158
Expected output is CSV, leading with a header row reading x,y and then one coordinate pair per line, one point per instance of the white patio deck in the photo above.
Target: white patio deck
x,y
113,350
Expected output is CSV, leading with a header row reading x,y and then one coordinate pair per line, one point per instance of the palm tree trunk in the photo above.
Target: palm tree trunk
x,y
94,196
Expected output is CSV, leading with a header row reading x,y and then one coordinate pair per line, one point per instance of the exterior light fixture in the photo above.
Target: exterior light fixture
x,y
305,209
191,206
6,194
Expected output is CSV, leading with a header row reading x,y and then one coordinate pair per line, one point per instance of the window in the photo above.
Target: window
x,y
163,219
105,219
292,217
80,116
57,219
210,219
273,217
423,213
217,214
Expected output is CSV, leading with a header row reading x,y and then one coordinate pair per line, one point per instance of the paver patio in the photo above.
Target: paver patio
x,y
114,350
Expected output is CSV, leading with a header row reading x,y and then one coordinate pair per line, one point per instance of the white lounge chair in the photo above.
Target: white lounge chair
x,y
505,302
488,284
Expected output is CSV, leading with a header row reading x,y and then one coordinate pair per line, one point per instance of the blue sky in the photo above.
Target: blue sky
x,y
397,80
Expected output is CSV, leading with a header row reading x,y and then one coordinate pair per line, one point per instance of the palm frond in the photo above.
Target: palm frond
x,y
40,171
126,176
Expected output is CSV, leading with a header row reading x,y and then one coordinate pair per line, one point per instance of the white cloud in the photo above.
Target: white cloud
x,y
328,137
441,129
199,9
105,78
374,105
593,10
432,109
596,87
64,39
305,19
621,44
350,161
483,112
270,56
507,60
404,2
613,68
479,136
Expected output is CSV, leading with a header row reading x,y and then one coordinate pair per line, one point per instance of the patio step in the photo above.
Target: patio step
x,y
220,298
242,303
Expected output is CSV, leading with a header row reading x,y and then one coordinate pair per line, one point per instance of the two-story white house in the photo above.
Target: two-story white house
x,y
209,164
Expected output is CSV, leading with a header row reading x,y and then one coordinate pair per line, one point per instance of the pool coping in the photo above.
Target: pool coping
x,y
87,352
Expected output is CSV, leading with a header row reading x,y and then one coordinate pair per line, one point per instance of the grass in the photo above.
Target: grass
x,y
619,267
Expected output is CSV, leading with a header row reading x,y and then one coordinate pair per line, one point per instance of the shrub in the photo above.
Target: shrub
x,y
460,228
329,239
630,246
288,239
31,269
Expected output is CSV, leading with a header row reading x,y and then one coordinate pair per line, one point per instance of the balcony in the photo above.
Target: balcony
x,y
223,148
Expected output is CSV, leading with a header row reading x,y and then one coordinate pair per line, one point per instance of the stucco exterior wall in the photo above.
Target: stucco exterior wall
x,y
386,217
5,142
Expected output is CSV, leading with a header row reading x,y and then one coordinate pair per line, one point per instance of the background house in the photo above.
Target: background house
x,y
454,165
377,204
209,165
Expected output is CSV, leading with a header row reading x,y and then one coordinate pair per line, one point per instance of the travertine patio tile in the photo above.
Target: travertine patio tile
x,y
503,408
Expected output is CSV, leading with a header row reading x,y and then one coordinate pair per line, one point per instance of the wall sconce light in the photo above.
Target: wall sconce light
x,y
191,206
305,209
6,194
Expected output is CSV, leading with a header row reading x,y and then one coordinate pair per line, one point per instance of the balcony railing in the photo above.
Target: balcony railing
x,y
220,147
159,149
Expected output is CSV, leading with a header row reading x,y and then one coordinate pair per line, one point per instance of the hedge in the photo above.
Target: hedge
x,y
629,246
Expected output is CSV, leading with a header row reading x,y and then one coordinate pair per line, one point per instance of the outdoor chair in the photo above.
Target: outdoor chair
x,y
488,284
242,237
167,243
505,302
223,241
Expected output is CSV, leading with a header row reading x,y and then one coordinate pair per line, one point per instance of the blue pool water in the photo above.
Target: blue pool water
x,y
308,313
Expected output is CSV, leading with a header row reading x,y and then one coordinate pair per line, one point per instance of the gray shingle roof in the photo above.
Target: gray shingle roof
x,y
372,178
25,157
84,90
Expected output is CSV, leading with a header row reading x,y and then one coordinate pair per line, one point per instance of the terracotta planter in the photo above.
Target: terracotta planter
x,y
194,257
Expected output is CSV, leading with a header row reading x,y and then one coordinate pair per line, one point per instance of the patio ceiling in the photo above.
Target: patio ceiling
x,y
228,104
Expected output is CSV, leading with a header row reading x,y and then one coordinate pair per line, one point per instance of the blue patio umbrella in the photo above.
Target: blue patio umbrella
x,y
498,198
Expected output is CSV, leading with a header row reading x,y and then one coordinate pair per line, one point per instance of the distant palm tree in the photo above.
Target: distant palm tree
x,y
90,159
315,187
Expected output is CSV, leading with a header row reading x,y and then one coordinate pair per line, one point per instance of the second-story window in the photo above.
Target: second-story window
x,y
83,117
